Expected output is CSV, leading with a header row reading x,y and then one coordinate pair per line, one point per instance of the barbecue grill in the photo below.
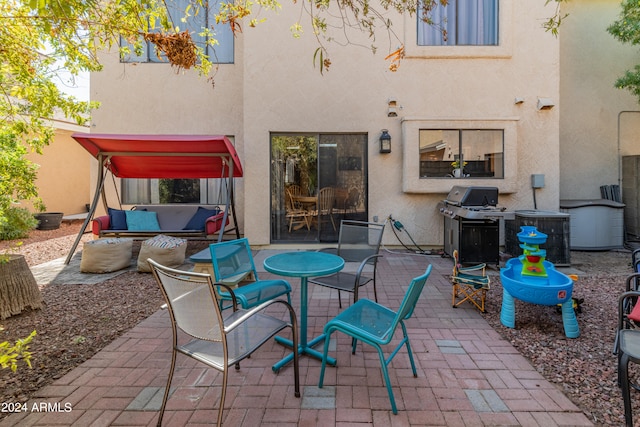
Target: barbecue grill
x,y
471,223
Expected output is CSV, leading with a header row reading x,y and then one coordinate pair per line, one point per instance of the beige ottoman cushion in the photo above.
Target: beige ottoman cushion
x,y
166,250
106,255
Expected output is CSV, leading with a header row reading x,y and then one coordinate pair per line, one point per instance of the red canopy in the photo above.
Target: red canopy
x,y
163,156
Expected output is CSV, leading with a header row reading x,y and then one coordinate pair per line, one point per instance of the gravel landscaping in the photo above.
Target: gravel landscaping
x,y
78,320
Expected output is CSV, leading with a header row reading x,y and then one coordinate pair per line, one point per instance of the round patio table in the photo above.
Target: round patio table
x,y
303,264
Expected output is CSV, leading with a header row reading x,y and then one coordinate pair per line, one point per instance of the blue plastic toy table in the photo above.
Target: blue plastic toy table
x,y
303,264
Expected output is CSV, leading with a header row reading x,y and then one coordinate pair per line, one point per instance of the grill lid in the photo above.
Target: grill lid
x,y
472,196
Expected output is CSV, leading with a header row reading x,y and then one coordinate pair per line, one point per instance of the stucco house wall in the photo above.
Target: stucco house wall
x,y
274,87
598,123
64,170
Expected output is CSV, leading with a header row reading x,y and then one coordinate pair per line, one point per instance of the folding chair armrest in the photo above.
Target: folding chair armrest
x,y
622,305
623,298
635,257
241,316
632,281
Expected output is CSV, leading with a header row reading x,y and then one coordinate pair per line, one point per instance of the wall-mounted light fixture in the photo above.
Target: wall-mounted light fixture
x,y
385,141
393,108
545,103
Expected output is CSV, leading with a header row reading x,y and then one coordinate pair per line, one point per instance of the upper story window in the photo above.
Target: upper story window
x,y
461,153
461,23
221,53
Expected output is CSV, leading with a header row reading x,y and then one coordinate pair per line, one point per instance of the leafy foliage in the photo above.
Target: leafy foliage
x,y
40,38
17,224
553,23
627,30
10,354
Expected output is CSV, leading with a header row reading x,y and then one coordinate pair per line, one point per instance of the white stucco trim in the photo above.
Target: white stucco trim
x,y
411,181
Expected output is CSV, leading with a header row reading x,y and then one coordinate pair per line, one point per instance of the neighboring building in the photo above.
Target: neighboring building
x,y
478,96
598,123
64,173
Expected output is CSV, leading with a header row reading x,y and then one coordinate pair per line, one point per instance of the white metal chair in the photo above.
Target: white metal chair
x,y
216,341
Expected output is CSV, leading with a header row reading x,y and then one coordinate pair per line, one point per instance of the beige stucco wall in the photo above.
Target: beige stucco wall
x,y
273,87
63,173
598,123
431,90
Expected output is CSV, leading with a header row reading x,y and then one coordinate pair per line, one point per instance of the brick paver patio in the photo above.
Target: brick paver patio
x,y
468,375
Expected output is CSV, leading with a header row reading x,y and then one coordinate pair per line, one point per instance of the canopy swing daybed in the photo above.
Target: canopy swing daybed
x,y
162,156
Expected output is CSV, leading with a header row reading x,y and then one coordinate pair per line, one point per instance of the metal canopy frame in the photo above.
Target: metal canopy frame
x,y
161,156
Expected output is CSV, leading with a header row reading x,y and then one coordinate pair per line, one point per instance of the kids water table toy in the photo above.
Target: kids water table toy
x,y
532,279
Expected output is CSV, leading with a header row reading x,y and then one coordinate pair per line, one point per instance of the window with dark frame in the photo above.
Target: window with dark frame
x,y
461,153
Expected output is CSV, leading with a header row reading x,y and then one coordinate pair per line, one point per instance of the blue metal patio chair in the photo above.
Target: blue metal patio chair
x,y
375,324
233,266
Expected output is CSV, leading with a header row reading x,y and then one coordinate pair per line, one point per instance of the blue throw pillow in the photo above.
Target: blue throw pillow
x,y
117,219
142,221
198,219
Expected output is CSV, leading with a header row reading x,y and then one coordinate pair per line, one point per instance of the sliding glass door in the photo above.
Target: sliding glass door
x,y
316,181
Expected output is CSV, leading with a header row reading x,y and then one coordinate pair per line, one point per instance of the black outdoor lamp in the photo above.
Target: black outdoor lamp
x,y
385,142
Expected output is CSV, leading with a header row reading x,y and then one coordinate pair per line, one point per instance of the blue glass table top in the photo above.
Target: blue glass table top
x,y
303,264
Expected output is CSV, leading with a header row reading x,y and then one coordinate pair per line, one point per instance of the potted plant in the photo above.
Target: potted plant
x,y
457,169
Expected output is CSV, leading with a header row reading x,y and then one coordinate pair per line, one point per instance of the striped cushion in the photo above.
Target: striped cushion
x,y
166,250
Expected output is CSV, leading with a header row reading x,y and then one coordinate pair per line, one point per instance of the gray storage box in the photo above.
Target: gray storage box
x,y
596,224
